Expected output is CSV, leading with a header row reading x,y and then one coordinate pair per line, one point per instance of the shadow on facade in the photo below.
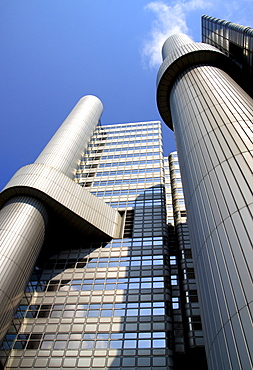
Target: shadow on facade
x,y
100,305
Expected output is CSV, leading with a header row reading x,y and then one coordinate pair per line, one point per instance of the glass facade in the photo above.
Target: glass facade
x,y
116,304
121,281
234,40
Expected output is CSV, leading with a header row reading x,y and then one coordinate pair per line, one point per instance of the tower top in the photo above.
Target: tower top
x,y
179,53
174,42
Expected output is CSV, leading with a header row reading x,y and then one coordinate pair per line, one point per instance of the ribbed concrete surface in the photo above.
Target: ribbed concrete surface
x,y
23,223
66,147
212,119
87,213
188,53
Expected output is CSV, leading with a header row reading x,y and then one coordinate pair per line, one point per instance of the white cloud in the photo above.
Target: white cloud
x,y
170,19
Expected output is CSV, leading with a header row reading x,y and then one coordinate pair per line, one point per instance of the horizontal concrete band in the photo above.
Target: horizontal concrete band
x,y
183,57
87,213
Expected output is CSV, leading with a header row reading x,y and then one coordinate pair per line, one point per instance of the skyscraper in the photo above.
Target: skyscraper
x,y
96,233
95,303
236,42
211,116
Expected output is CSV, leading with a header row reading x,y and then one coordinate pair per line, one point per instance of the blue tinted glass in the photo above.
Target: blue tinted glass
x,y
159,343
116,344
144,343
130,344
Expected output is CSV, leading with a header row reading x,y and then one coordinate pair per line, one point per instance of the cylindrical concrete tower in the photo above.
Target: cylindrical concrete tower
x,y
23,218
23,222
66,147
212,117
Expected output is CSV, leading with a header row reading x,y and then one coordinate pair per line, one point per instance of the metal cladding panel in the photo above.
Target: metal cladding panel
x,y
174,42
66,147
186,54
23,222
212,119
84,211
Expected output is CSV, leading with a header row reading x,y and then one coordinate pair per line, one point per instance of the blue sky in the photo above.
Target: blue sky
x,y
55,51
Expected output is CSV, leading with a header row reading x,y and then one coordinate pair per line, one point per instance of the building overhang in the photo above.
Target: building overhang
x,y
87,214
184,57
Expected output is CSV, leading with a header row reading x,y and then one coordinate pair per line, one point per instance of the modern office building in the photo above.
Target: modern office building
x,y
236,42
96,301
97,270
211,116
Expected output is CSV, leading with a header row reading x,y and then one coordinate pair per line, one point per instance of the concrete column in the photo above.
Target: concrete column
x,y
23,219
212,120
211,116
67,145
23,222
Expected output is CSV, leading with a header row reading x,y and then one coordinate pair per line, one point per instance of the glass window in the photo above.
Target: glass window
x,y
116,335
119,313
60,344
145,312
46,344
130,343
120,305
159,343
175,303
101,336
148,285
144,343
93,313
132,312
81,313
134,286
122,286
132,305
49,336
88,344
173,279
158,284
76,336
101,344
68,313
116,344
62,336
130,335
106,313
107,305
73,344
158,311
90,336
56,314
